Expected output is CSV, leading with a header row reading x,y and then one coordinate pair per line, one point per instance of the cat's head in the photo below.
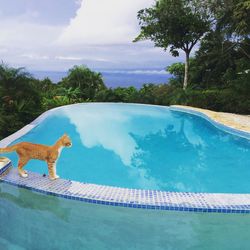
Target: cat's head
x,y
66,141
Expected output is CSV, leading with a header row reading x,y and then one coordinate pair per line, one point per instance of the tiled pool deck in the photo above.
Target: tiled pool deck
x,y
133,198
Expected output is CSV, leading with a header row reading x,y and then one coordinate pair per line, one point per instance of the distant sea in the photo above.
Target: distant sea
x,y
116,78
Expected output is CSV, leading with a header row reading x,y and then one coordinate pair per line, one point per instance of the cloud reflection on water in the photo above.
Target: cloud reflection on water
x,y
112,127
134,134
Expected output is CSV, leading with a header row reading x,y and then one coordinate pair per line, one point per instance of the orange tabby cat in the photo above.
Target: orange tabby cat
x,y
27,151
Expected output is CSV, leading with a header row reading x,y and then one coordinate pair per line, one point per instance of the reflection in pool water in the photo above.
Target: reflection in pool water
x,y
33,221
147,147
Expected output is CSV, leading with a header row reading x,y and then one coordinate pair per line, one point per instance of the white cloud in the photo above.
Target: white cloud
x,y
35,57
3,50
99,36
76,58
78,2
104,22
69,58
149,72
15,33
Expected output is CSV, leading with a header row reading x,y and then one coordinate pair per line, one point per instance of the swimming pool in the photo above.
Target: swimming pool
x,y
129,146
143,147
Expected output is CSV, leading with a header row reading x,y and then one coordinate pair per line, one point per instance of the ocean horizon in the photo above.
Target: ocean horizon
x,y
116,78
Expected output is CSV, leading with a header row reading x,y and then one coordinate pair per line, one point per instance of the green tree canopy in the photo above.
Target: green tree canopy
x,y
18,89
232,16
177,70
174,24
20,100
87,82
224,52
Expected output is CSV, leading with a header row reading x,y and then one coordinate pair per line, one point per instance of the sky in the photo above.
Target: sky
x,y
57,34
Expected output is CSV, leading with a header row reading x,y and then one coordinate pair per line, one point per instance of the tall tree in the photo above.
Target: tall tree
x,y
174,24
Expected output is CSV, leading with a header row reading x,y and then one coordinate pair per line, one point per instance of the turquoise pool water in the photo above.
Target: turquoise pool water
x,y
146,147
32,221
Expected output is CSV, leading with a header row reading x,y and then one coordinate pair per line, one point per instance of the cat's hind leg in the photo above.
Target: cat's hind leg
x,y
21,163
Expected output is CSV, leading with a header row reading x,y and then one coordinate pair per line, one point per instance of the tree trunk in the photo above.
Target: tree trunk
x,y
186,71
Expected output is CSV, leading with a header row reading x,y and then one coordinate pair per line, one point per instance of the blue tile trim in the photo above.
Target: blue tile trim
x,y
130,198
123,197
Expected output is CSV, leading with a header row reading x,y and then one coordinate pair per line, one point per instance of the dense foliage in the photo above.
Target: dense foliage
x,y
20,99
83,82
219,75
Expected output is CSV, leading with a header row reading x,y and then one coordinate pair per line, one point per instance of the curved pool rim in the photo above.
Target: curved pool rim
x,y
125,197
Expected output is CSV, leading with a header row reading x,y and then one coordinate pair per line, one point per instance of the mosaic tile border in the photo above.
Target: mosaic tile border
x,y
131,198
124,197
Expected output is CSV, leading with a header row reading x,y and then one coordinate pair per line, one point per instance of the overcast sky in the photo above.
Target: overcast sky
x,y
57,34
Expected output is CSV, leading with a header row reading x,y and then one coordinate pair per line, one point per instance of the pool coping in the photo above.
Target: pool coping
x,y
125,197
218,124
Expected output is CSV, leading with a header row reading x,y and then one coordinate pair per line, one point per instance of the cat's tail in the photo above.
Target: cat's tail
x,y
8,149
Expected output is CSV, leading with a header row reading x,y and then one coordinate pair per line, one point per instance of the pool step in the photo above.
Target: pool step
x,y
5,164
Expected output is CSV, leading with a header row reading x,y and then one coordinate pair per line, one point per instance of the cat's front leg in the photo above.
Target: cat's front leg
x,y
56,176
51,168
